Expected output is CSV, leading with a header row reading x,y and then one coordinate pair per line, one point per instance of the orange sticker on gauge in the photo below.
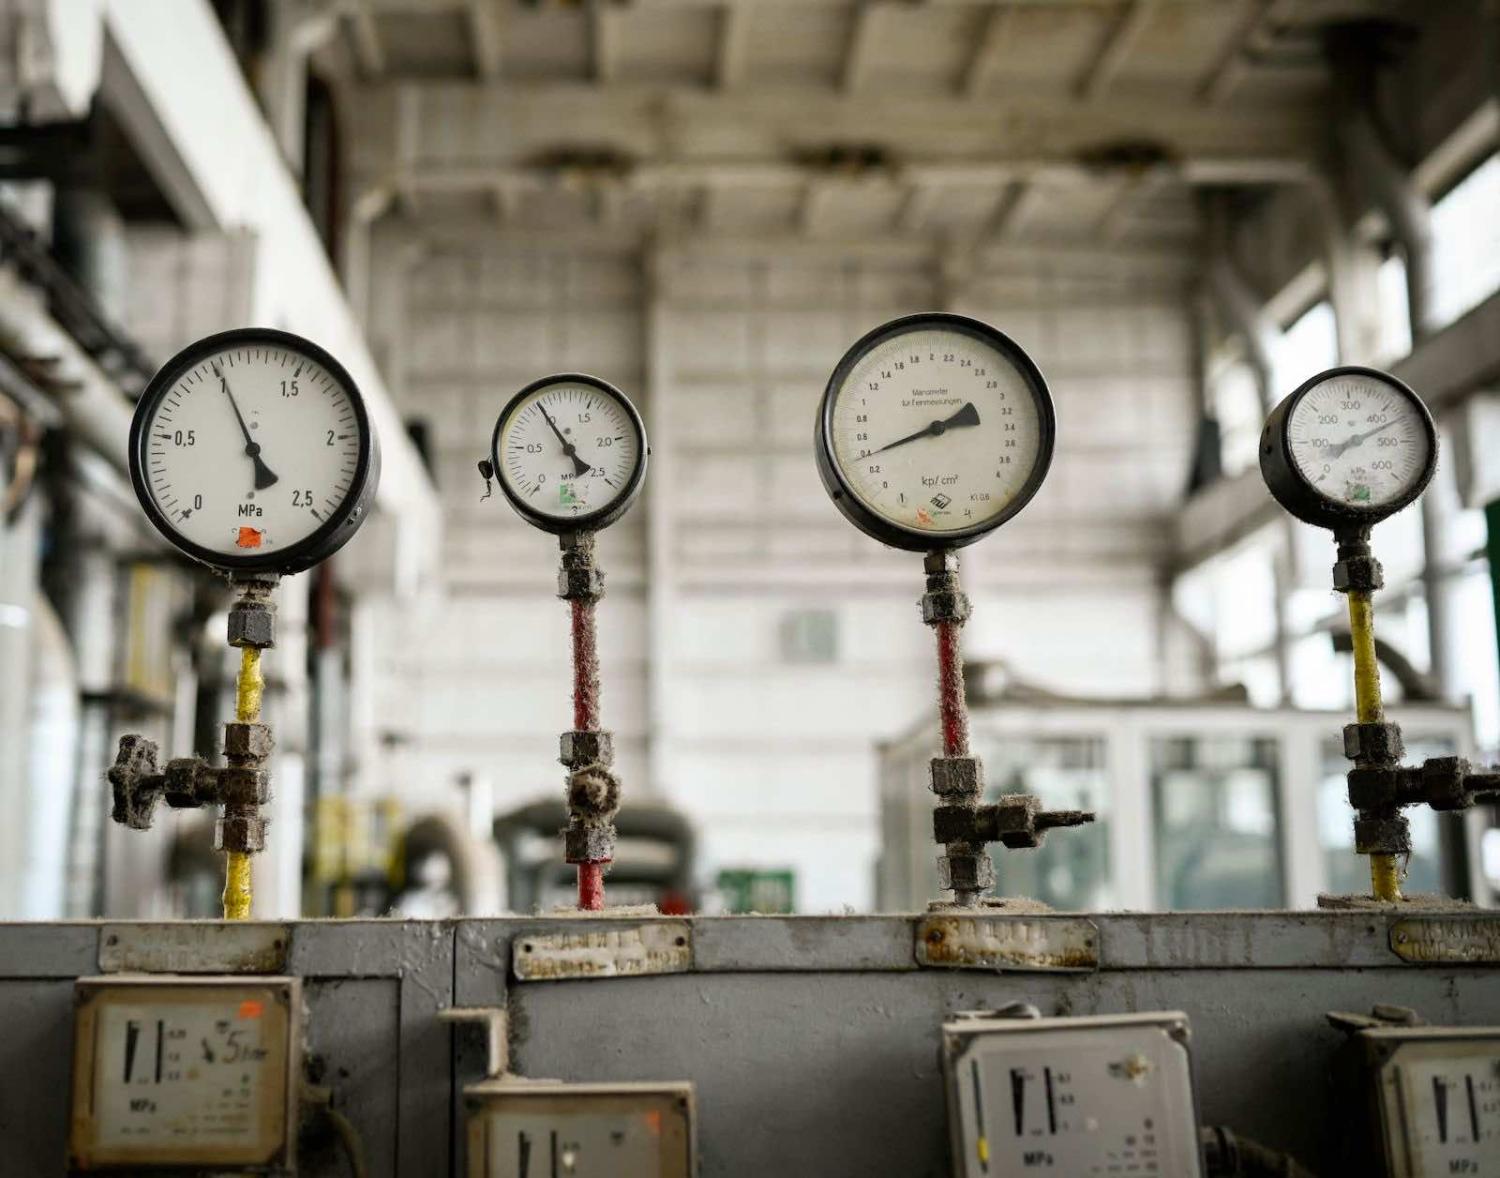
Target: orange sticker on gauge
x,y
249,538
252,1008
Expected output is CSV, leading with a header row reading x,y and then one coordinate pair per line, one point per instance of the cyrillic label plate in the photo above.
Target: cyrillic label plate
x,y
1025,943
194,947
1446,940
619,951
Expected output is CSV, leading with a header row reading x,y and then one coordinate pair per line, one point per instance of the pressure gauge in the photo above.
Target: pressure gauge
x,y
251,451
1349,447
934,430
570,453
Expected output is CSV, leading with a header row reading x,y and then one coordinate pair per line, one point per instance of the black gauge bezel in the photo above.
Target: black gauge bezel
x,y
342,522
865,518
594,520
1292,489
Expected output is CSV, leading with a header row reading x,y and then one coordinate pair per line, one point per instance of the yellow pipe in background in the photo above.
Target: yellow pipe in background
x,y
1385,876
249,688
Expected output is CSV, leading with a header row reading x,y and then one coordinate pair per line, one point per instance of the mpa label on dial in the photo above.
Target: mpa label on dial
x,y
1349,447
934,430
570,453
251,451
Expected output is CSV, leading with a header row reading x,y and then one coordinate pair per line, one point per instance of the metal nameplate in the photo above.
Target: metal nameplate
x,y
1446,940
627,950
1025,943
194,947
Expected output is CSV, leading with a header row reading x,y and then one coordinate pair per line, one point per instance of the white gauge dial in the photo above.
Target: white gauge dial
x,y
251,449
939,431
1360,441
570,450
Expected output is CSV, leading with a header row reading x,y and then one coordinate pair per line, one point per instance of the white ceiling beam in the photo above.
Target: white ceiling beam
x,y
733,43
369,54
916,207
862,31
1130,189
1011,212
1229,65
484,35
604,41
817,196
989,48
1118,43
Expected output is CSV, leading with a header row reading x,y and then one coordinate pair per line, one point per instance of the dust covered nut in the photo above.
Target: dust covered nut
x,y
956,776
576,749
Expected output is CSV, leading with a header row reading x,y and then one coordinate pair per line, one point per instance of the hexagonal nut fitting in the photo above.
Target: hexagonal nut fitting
x,y
1376,743
243,786
1444,784
240,832
1358,573
955,824
945,606
183,781
955,777
1013,818
1373,787
249,742
575,749
967,871
1382,835
252,623
585,584
589,843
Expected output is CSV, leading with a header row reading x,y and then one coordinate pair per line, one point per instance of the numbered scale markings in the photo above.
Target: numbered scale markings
x,y
251,450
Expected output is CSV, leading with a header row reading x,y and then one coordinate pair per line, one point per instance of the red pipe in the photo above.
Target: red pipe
x,y
586,719
951,704
591,887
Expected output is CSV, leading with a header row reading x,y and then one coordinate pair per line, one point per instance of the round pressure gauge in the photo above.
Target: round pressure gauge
x,y
934,430
251,451
1349,447
570,453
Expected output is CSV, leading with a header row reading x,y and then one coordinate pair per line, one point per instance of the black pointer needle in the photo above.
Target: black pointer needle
x,y
264,477
968,415
579,465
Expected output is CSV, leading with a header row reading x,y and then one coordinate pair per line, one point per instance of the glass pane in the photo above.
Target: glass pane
x,y
1216,823
1349,874
1071,869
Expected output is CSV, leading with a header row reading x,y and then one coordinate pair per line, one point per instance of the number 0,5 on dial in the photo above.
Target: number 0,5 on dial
x,y
935,430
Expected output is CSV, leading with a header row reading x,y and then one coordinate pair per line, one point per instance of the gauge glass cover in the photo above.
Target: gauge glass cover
x,y
939,427
570,452
1359,441
252,450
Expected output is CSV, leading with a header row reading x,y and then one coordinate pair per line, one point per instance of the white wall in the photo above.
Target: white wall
x,y
776,761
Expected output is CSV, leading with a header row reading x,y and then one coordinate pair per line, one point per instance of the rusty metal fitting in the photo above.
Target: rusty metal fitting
x,y
956,777
1445,784
1372,787
955,824
966,871
576,749
1356,568
1377,744
579,578
136,782
187,783
948,605
252,617
249,742
593,792
1382,834
244,833
588,842
239,785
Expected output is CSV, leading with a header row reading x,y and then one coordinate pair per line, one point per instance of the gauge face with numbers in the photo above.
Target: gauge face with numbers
x,y
1352,445
251,451
570,453
934,430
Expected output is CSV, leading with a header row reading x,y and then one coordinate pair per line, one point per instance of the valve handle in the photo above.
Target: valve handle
x,y
136,781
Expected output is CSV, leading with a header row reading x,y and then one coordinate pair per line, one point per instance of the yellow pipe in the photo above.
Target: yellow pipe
x,y
1385,877
249,688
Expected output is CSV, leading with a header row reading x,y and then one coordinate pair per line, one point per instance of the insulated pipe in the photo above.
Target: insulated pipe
x,y
250,687
1385,876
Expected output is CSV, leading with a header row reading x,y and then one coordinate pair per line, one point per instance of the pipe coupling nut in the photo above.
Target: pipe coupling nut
x,y
956,777
1379,744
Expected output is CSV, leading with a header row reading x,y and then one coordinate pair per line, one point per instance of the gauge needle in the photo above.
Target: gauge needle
x,y
1349,443
264,477
579,465
968,415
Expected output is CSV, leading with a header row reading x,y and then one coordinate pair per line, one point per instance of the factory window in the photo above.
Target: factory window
x,y
1395,312
1466,242
1237,406
1346,873
1308,346
1216,824
810,636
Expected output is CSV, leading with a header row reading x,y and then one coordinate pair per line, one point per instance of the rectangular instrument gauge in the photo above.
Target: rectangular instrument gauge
x,y
1437,1090
185,1072
535,1128
1072,1097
